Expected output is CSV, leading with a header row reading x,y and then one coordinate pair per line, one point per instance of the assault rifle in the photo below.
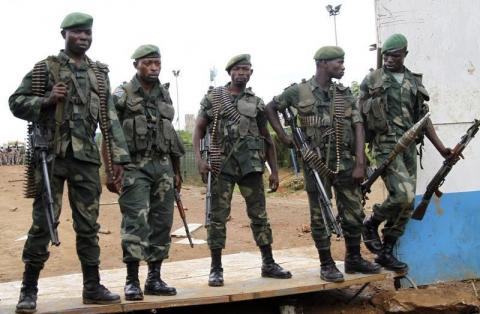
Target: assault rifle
x,y
205,151
181,210
38,140
331,224
448,163
405,141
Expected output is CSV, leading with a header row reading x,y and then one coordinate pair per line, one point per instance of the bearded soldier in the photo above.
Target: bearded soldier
x,y
238,127
75,91
333,129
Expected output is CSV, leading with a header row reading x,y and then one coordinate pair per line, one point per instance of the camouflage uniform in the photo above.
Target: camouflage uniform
x,y
310,100
78,159
243,157
390,109
148,185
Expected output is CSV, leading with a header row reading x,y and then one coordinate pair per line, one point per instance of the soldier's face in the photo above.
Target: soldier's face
x,y
393,60
335,68
241,73
148,69
77,41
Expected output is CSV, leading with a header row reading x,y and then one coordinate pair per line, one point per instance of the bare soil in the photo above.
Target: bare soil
x,y
287,210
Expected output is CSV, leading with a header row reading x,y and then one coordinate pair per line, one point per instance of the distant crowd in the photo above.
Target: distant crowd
x,y
12,155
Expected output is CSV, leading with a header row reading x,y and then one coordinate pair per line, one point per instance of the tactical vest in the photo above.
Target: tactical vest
x,y
375,107
80,111
147,123
317,122
238,130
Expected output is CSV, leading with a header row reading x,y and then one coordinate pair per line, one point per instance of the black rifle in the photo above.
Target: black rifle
x,y
331,224
181,210
448,163
39,145
205,151
405,141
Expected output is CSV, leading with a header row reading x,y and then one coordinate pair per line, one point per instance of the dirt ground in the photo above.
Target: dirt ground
x,y
288,213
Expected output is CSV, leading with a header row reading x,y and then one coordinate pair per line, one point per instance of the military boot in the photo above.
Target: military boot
x,y
328,269
269,267
215,279
370,234
93,291
387,259
27,302
154,285
354,263
132,289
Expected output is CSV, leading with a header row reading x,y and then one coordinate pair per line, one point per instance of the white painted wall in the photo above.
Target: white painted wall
x,y
443,44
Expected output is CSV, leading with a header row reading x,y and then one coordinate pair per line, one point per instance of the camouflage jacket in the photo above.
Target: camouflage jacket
x,y
81,109
146,119
310,100
239,141
389,107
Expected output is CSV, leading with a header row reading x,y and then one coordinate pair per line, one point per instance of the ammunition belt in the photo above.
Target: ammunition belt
x,y
339,116
39,80
103,115
314,162
316,122
220,98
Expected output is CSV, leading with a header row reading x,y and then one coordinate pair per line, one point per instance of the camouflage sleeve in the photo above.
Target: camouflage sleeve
x,y
119,145
177,149
119,98
356,115
288,98
261,117
205,111
23,103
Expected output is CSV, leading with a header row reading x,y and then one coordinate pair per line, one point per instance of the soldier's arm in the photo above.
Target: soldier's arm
x,y
360,161
199,132
436,141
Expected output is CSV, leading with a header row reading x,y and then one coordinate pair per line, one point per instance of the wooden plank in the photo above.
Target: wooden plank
x,y
242,282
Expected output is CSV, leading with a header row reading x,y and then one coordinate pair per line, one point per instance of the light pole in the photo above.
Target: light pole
x,y
334,11
176,73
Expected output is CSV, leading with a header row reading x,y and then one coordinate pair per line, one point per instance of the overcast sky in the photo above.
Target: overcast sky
x,y
193,36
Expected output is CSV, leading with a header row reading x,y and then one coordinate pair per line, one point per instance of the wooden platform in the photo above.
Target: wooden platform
x,y
62,294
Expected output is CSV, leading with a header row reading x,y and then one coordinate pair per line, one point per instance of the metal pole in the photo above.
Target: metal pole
x,y
176,74
335,27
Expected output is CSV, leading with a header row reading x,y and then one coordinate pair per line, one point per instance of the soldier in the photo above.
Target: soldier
x,y
145,110
72,93
244,144
392,99
326,111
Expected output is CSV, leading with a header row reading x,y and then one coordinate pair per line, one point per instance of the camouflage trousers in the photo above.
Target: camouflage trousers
x,y
146,203
252,190
83,192
400,180
348,199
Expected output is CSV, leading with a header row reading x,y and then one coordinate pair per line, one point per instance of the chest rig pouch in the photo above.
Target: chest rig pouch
x,y
375,106
166,133
247,107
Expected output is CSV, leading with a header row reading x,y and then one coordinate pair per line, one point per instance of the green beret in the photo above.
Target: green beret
x,y
240,59
329,53
394,42
77,20
146,50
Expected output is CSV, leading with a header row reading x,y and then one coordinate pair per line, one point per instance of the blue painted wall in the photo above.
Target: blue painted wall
x,y
445,245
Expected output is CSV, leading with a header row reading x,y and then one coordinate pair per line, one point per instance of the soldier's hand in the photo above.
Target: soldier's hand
x,y
273,182
288,141
447,152
358,174
115,185
58,93
203,168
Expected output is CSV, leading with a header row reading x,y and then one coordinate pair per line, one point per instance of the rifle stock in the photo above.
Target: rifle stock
x,y
181,211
